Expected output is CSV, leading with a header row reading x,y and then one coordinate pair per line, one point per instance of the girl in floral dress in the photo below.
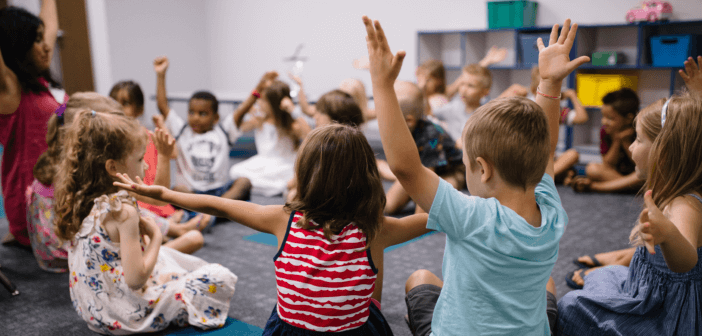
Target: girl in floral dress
x,y
122,280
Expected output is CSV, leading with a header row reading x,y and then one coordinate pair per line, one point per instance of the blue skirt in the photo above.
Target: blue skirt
x,y
376,325
646,298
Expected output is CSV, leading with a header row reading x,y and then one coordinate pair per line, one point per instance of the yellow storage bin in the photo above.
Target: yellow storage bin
x,y
592,87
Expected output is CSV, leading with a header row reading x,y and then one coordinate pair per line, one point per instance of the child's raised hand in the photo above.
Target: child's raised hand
x,y
654,225
266,80
554,60
164,142
692,75
494,55
384,66
161,65
138,187
296,79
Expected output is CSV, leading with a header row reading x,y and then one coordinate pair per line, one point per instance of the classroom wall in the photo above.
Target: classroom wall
x,y
225,45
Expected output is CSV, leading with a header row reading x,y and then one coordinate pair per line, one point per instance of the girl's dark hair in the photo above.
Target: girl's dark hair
x,y
82,176
338,182
341,108
205,95
45,168
274,94
136,96
623,101
18,32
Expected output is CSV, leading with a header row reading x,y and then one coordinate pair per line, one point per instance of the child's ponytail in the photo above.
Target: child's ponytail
x,y
275,94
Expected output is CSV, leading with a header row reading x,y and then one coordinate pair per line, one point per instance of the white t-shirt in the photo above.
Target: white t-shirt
x,y
453,117
203,159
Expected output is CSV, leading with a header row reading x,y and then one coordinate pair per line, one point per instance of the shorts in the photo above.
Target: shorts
x,y
422,299
213,192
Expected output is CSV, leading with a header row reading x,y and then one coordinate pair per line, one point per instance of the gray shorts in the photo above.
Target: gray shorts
x,y
422,299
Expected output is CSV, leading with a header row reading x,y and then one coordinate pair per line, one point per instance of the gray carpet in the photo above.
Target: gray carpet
x,y
597,223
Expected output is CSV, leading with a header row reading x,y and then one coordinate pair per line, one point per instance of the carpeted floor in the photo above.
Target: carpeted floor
x,y
597,223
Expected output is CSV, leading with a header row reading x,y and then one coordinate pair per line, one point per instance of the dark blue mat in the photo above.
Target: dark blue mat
x,y
271,240
231,327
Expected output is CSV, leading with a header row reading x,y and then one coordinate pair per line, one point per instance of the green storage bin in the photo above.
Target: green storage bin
x,y
607,58
511,14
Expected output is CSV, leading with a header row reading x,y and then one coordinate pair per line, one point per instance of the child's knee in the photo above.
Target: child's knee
x,y
195,239
593,169
421,277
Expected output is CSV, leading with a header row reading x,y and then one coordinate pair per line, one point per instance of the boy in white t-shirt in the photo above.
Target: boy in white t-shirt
x,y
203,143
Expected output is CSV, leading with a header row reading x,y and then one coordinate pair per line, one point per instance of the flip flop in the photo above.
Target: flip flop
x,y
570,282
595,262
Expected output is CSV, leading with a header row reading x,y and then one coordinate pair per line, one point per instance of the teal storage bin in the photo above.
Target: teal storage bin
x,y
673,50
511,14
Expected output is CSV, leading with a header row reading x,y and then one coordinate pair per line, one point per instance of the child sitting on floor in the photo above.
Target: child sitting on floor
x,y
331,237
49,251
616,172
122,280
502,242
437,150
203,143
658,294
277,135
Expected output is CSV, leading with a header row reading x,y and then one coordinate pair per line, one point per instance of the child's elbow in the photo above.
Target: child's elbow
x,y
135,282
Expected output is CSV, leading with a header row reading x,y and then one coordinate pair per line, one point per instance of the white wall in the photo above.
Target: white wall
x,y
225,45
139,31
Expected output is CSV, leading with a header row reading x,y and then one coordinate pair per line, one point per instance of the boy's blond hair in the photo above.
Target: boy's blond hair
x,y
411,99
512,134
480,71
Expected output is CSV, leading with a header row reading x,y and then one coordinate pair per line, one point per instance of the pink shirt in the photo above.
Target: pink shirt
x,y
23,136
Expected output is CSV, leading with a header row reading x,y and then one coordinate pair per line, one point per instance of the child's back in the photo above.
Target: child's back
x,y
323,284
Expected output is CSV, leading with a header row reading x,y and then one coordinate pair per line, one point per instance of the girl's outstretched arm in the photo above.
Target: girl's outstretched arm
x,y
399,230
400,150
137,265
269,219
677,235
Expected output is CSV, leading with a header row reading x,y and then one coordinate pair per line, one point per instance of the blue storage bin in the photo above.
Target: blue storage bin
x,y
528,51
673,50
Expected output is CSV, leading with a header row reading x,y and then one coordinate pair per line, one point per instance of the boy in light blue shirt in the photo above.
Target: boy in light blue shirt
x,y
502,242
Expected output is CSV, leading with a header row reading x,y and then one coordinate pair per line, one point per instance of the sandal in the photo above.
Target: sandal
x,y
569,279
595,262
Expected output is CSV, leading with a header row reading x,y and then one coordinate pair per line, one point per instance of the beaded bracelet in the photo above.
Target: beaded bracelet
x,y
255,94
538,90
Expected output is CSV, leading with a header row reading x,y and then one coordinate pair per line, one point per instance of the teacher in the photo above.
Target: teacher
x,y
27,45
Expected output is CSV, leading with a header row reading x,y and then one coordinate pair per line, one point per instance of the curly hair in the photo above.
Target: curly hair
x,y
82,176
45,168
354,194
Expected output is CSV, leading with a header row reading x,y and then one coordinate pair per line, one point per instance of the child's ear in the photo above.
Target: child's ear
x,y
111,167
486,91
216,118
486,170
630,118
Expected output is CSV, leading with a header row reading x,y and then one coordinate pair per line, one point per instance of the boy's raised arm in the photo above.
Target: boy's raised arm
x,y
554,66
398,144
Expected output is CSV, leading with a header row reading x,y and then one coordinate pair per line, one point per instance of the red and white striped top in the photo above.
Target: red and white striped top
x,y
324,285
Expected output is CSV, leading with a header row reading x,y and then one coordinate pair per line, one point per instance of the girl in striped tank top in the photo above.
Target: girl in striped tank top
x,y
331,236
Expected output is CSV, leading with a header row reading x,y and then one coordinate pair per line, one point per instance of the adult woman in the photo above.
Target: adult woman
x,y
27,44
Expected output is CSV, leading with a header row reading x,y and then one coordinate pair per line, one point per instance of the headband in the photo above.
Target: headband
x,y
664,112
92,113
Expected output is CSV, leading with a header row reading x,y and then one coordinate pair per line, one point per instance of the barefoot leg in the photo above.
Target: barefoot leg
x,y
188,243
240,189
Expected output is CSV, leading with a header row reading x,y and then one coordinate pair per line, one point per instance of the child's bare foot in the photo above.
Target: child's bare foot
x,y
176,217
618,257
579,275
568,180
204,222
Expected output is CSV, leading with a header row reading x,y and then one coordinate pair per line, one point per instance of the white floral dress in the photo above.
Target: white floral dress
x,y
181,290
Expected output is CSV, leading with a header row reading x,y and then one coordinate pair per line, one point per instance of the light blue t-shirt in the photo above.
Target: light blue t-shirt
x,y
496,265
